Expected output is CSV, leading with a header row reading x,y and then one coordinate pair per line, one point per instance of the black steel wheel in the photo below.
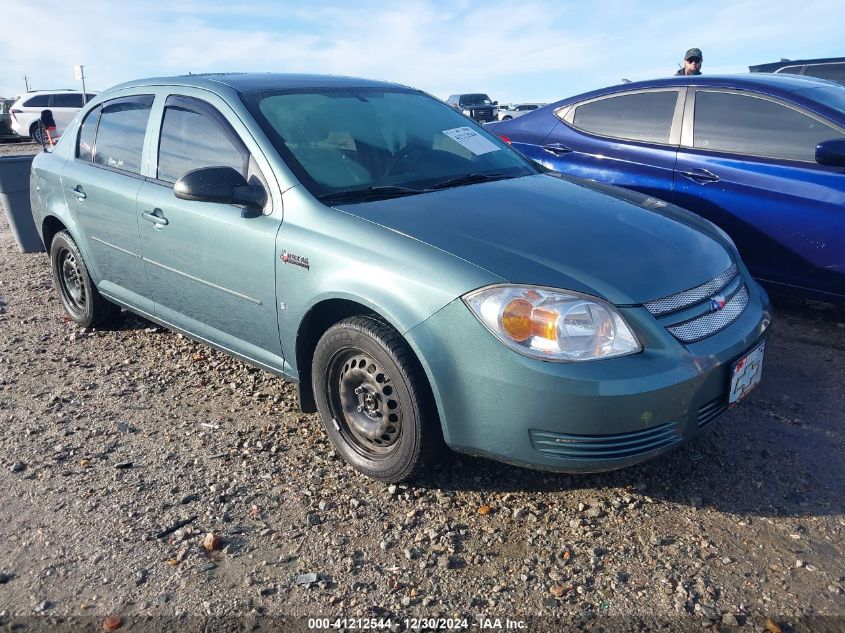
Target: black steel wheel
x,y
373,399
80,297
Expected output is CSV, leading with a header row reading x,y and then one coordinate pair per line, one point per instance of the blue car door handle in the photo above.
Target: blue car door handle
x,y
701,176
156,216
79,192
557,149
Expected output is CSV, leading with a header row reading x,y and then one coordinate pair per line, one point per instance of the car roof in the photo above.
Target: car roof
x,y
784,63
258,82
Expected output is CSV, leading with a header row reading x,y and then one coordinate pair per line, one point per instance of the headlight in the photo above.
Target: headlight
x,y
553,325
467,112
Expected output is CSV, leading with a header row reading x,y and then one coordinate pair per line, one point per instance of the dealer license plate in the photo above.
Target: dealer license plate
x,y
746,373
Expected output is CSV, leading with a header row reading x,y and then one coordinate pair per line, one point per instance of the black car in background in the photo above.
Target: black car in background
x,y
832,68
6,132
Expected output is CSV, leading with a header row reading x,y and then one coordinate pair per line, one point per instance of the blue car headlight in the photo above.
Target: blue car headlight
x,y
552,325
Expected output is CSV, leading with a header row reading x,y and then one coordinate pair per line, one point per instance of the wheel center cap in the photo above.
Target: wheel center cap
x,y
368,401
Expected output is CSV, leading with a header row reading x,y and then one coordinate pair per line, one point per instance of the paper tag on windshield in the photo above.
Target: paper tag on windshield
x,y
472,140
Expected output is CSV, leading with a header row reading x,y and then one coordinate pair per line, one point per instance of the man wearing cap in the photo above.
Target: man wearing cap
x,y
692,62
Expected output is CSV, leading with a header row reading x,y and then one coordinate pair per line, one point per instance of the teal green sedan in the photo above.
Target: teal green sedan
x,y
419,280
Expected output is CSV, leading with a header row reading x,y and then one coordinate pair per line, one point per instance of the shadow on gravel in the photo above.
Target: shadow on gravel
x,y
779,454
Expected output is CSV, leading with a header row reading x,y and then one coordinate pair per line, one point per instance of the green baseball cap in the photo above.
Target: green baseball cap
x,y
694,52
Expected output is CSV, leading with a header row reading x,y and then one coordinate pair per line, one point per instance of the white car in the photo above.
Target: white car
x,y
515,110
63,104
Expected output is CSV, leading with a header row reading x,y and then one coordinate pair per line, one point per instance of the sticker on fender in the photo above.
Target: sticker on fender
x,y
746,373
472,140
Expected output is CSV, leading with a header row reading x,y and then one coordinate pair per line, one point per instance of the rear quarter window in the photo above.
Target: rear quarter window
x,y
39,101
642,116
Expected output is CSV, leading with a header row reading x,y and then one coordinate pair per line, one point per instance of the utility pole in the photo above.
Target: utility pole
x,y
26,81
79,72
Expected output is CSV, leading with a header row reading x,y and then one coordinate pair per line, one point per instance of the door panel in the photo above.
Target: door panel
x,y
212,270
103,202
787,219
629,140
785,212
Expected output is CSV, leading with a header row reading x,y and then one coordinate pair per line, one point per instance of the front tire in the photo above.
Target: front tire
x,y
373,399
80,297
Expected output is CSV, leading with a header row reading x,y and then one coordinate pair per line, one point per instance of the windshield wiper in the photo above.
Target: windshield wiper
x,y
368,193
468,180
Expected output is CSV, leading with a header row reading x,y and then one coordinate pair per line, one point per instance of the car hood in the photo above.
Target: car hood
x,y
552,232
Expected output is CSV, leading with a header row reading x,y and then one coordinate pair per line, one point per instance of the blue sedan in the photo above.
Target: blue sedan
x,y
761,156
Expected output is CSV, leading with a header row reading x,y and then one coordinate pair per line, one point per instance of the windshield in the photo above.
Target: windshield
x,y
476,99
379,141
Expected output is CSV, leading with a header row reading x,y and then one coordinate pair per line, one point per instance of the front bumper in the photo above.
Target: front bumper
x,y
579,417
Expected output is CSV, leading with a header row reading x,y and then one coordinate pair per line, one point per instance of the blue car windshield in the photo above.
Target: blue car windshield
x,y
379,141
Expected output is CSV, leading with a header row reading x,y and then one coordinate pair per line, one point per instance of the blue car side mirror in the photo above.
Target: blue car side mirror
x,y
831,152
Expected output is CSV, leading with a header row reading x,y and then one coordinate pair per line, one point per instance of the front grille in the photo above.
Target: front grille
x,y
712,411
711,322
686,298
599,447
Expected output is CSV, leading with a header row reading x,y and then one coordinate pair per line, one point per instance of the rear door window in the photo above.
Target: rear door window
x,y
195,135
641,116
120,135
729,122
68,100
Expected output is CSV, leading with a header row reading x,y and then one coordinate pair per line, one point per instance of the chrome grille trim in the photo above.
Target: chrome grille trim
x,y
686,298
710,323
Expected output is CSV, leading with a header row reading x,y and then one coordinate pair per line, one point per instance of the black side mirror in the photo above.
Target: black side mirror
x,y
219,184
831,152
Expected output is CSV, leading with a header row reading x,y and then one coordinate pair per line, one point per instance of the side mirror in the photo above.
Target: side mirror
x,y
219,184
831,152
495,103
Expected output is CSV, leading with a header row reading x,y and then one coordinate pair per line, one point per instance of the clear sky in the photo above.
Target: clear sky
x,y
531,50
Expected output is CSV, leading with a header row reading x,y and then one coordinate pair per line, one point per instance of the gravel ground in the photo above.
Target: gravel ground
x,y
121,450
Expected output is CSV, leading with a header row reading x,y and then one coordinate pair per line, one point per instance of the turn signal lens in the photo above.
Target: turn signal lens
x,y
516,319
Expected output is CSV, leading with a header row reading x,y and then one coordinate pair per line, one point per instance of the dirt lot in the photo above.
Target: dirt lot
x,y
109,440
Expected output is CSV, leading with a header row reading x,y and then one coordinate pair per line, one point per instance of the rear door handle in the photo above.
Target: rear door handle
x,y
79,192
156,216
557,149
701,176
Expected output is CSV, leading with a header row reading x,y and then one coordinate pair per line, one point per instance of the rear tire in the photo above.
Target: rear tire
x,y
80,297
36,131
373,399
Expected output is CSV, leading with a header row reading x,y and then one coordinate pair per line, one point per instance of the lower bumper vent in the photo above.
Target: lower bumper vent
x,y
599,447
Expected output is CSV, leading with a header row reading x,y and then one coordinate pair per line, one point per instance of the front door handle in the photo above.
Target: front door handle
x,y
79,192
156,216
557,149
701,176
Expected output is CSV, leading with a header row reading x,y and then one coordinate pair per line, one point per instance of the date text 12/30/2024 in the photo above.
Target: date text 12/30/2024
x,y
417,624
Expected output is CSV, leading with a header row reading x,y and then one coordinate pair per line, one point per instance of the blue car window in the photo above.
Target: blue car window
x,y
120,135
641,116
741,124
194,135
